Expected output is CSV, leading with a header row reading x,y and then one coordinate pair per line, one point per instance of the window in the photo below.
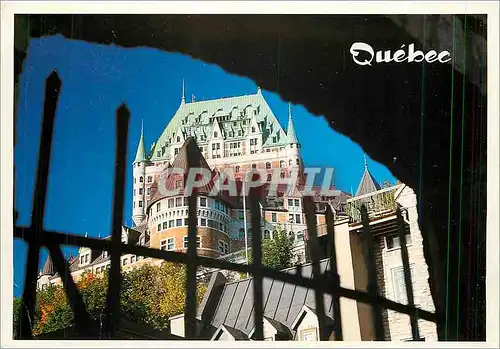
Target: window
x,y
290,202
165,226
158,207
203,222
148,191
140,203
300,235
159,227
176,151
309,334
254,165
274,139
297,161
216,134
125,261
178,202
267,234
269,177
392,241
150,179
253,129
134,192
178,139
268,165
179,222
237,169
134,204
203,202
171,223
398,284
223,247
282,163
170,244
185,242
170,203
274,217
282,175
297,218
186,201
105,254
132,259
141,179
140,191
297,202
178,184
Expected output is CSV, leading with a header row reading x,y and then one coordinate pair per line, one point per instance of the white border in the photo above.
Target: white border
x,y
8,9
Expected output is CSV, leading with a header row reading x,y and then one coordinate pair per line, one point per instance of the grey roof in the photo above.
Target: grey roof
x,y
282,301
368,184
48,267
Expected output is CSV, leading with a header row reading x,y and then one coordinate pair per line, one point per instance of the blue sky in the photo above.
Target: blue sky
x,y
96,79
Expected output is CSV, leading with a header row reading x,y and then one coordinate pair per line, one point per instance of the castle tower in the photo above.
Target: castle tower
x,y
139,186
293,145
368,183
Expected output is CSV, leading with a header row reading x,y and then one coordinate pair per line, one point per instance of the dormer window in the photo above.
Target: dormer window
x,y
85,259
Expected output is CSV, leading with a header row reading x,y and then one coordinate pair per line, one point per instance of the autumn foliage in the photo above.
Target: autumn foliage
x,y
149,294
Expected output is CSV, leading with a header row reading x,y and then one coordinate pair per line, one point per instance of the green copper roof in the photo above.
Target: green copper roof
x,y
195,119
291,136
140,156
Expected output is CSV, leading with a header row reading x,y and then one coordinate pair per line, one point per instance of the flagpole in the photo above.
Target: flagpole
x,y
245,221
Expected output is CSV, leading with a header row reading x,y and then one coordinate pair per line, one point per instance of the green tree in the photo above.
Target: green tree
x,y
149,294
276,252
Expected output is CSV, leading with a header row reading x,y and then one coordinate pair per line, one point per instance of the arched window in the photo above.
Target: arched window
x,y
141,179
178,139
254,165
150,179
267,235
216,134
237,169
268,165
253,129
298,162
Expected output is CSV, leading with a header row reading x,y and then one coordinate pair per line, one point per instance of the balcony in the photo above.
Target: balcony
x,y
378,204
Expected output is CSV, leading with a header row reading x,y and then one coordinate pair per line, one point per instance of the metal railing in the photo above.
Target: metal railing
x,y
378,204
321,283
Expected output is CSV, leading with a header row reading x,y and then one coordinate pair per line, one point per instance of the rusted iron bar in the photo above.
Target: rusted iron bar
x,y
310,213
113,296
52,89
330,230
407,274
255,197
372,275
190,313
180,257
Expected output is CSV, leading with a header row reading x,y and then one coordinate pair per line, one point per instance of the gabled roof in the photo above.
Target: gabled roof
x,y
281,330
282,301
236,334
368,183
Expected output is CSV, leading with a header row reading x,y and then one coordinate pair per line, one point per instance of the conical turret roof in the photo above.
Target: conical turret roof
x,y
368,183
48,267
140,156
291,136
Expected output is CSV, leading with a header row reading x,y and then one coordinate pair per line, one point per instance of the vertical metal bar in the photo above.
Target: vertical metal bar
x,y
330,228
82,318
52,89
310,213
407,275
194,160
372,275
113,299
257,262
